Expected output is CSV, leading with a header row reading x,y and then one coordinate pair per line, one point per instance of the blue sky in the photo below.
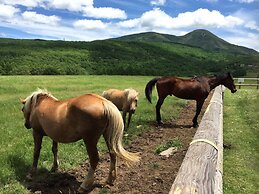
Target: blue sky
x,y
236,21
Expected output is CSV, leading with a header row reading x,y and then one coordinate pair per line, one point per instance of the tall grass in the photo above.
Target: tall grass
x,y
16,142
241,131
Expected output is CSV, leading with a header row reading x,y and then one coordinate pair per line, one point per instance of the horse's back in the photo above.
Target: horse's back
x,y
90,104
193,88
116,96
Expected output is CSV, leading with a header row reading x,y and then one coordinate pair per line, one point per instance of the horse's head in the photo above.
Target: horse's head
x,y
132,99
134,104
29,105
228,82
26,109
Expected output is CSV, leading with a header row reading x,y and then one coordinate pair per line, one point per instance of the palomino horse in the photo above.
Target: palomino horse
x,y
197,88
125,100
85,117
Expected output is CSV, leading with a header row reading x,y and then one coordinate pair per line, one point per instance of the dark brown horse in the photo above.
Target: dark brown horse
x,y
197,88
84,117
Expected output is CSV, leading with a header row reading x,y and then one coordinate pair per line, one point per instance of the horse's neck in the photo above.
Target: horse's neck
x,y
214,82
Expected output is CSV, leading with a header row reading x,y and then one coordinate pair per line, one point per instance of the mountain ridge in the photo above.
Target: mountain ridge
x,y
200,38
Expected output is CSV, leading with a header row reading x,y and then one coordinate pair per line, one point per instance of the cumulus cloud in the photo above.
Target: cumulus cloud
x,y
157,18
7,11
71,5
129,23
86,7
39,18
89,24
158,2
26,3
104,12
206,18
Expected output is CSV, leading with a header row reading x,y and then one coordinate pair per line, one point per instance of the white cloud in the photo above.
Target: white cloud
x,y
104,12
212,1
206,18
245,1
157,18
32,16
158,2
86,7
246,39
89,24
7,11
71,5
26,3
252,25
129,23
3,35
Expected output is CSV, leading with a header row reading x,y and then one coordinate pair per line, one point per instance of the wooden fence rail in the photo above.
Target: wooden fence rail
x,y
202,167
241,82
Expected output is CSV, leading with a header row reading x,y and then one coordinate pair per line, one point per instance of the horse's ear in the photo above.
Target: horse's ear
x,y
230,75
22,101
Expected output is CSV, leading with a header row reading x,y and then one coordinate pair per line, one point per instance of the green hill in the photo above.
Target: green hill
x,y
141,54
197,38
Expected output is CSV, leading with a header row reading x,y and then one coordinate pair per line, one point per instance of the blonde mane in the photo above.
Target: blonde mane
x,y
132,94
32,98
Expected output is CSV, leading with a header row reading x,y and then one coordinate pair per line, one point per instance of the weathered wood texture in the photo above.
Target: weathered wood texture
x,y
202,168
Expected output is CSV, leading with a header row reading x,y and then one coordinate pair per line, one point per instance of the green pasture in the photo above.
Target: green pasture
x,y
241,128
16,142
241,132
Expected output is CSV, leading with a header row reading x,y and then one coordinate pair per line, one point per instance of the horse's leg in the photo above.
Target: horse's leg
x,y
158,106
199,104
37,137
113,162
55,154
129,118
124,113
91,147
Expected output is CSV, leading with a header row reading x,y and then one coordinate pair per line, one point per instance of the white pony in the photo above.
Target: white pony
x,y
125,100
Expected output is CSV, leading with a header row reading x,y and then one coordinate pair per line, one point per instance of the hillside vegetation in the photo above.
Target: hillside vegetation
x,y
141,54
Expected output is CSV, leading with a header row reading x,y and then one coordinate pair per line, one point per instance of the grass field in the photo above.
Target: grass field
x,y
16,143
241,131
241,125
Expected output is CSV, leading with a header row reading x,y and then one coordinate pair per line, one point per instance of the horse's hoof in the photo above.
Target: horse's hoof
x,y
86,185
53,170
160,123
195,125
110,182
81,190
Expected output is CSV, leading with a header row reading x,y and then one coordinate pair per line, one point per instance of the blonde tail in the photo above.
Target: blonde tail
x,y
114,134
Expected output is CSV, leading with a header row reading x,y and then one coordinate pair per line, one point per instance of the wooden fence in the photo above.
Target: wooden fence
x,y
202,168
241,82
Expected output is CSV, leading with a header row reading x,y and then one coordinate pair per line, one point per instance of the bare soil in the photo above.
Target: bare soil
x,y
154,173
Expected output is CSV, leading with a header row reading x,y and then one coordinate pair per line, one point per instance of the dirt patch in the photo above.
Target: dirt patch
x,y
154,174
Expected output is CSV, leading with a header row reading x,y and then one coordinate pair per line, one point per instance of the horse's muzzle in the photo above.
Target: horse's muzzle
x,y
132,111
27,125
233,91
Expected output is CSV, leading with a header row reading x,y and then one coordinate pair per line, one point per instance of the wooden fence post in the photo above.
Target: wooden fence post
x,y
202,168
257,81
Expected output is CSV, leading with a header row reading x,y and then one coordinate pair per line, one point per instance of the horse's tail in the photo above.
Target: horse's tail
x,y
149,87
114,133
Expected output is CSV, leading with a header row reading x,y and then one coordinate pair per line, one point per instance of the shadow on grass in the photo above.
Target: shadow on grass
x,y
46,182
